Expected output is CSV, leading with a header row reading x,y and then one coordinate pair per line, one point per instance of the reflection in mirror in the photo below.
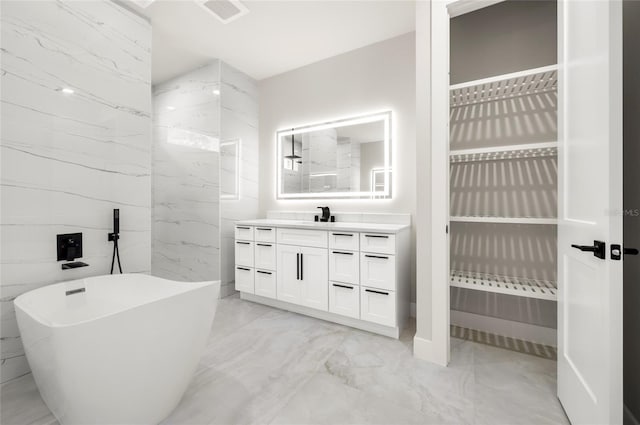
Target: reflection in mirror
x,y
230,169
346,158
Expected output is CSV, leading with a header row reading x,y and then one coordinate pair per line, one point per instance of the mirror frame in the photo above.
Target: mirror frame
x,y
385,116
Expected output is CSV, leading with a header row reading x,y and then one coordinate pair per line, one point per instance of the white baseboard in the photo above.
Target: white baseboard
x,y
424,349
519,330
629,419
325,315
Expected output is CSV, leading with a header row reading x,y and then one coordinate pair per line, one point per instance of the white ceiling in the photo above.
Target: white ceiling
x,y
275,37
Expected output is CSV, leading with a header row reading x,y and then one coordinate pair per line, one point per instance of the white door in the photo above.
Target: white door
x,y
289,286
590,193
314,272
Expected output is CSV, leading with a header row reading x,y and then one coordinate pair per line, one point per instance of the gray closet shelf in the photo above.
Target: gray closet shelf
x,y
505,220
522,287
535,81
532,150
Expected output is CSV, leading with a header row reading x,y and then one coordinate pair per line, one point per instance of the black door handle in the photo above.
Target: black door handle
x,y
598,248
630,251
298,266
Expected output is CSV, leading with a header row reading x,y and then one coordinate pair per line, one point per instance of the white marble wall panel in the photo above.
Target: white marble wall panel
x,y
68,159
186,185
238,120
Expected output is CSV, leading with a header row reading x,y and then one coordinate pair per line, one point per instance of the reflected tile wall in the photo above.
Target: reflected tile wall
x,y
238,120
69,159
186,184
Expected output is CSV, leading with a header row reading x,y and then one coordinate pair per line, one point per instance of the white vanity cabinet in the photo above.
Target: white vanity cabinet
x,y
354,274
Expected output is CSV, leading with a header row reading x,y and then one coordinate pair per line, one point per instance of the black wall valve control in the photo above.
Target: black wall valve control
x,y
69,247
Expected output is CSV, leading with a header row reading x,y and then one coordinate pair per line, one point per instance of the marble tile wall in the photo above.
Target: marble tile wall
x,y
68,159
238,121
186,185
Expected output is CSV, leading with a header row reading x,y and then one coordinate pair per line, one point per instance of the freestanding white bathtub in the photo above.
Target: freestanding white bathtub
x,y
117,349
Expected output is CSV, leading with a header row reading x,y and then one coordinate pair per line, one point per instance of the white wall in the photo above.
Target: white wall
x,y
238,120
68,160
374,78
186,179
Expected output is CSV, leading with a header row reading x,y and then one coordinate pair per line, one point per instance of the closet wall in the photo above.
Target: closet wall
x,y
522,186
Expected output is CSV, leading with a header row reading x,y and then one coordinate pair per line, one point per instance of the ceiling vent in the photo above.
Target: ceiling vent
x,y
224,10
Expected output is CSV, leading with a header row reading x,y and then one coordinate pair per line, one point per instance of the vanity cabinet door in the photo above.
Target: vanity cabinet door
x,y
344,266
288,276
244,279
265,283
378,306
265,256
344,299
314,273
244,253
378,271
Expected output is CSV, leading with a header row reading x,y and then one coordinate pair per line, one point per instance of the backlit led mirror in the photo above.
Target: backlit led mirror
x,y
346,158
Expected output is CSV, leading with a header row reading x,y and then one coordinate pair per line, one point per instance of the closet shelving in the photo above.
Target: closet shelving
x,y
493,153
505,86
506,220
533,83
531,288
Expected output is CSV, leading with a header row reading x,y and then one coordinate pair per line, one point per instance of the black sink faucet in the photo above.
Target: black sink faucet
x,y
326,214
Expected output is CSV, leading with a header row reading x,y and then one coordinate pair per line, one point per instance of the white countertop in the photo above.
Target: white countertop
x,y
314,225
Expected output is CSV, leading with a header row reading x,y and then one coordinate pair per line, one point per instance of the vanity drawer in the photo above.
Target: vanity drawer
x,y
344,266
378,242
378,306
378,271
265,283
344,299
302,237
344,240
244,233
265,256
264,234
244,253
244,279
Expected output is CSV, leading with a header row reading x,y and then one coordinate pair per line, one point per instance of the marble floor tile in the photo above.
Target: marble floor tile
x,y
21,404
385,368
233,313
325,400
263,365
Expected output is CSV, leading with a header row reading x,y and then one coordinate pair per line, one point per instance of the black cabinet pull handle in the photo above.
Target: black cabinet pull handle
x,y
630,251
376,292
298,266
244,243
301,266
244,268
342,234
264,228
264,244
243,228
377,236
260,271
342,286
598,248
343,253
377,256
